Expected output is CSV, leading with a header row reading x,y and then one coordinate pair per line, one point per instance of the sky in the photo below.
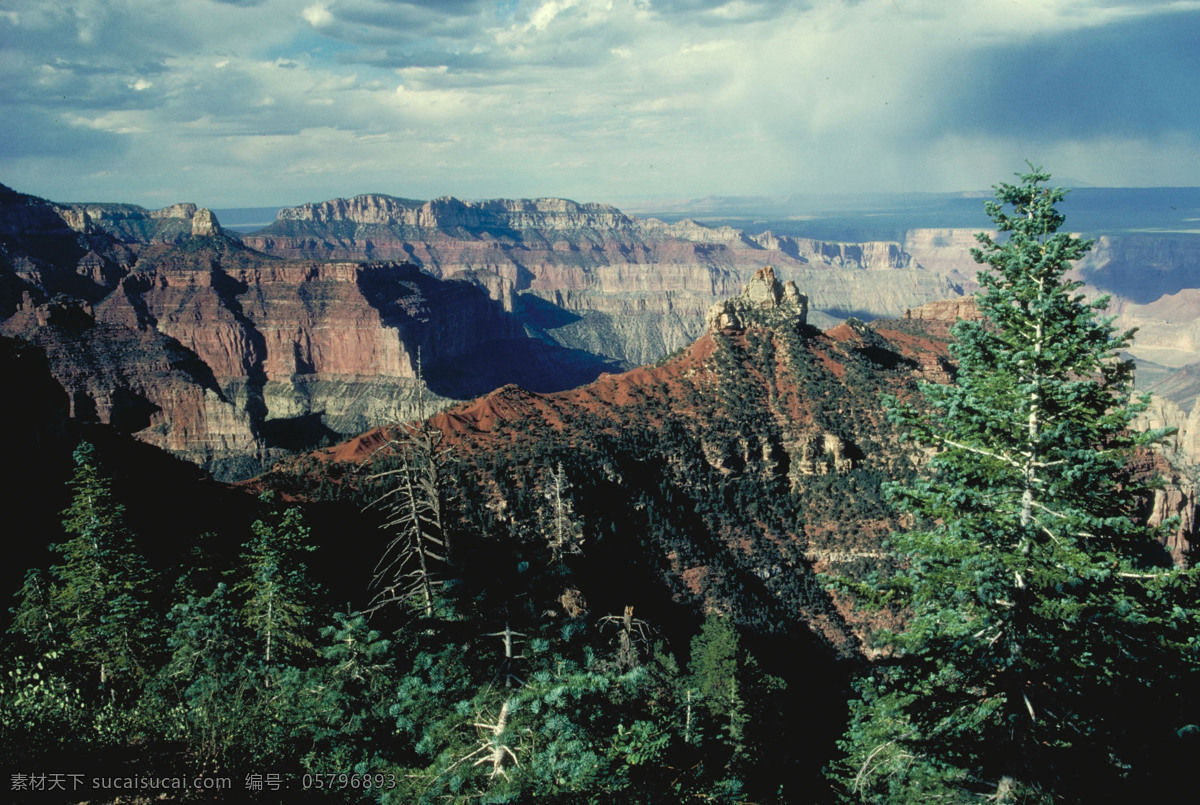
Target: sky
x,y
240,103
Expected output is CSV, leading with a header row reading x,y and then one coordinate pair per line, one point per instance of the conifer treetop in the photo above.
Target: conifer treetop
x,y
1049,652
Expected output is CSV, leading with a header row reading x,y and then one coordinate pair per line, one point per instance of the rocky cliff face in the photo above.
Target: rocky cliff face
x,y
763,407
141,383
587,277
785,420
765,300
1143,267
255,352
1152,279
217,353
129,223
547,214
1177,459
945,251
323,337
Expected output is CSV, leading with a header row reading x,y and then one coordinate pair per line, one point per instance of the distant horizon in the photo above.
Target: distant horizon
x,y
872,216
666,202
846,217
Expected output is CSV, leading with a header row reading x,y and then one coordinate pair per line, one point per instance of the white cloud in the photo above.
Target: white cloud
x,y
113,122
317,16
546,13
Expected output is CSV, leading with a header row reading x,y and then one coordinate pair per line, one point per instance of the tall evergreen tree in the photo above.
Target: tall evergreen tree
x,y
1049,650
276,588
99,594
235,683
714,673
34,616
353,694
206,691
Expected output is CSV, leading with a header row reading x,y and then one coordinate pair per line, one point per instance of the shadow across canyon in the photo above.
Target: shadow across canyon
x,y
469,343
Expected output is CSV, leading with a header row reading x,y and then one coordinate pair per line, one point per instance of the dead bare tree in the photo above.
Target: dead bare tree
x,y
510,639
491,747
561,531
419,546
631,632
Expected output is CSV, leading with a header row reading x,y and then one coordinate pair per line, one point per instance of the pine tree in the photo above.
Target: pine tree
x,y
235,682
1049,650
714,673
276,588
34,616
99,593
206,691
354,692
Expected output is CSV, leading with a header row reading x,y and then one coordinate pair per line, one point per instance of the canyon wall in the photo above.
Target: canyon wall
x,y
312,327
219,354
588,278
1152,279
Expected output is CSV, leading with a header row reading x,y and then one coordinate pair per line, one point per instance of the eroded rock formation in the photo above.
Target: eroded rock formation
x,y
220,354
588,277
765,300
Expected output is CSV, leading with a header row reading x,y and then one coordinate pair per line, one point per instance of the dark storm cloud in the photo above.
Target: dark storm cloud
x,y
43,133
1128,78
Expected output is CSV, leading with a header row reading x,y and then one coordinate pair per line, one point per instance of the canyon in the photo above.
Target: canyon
x,y
166,329
744,464
228,350
588,277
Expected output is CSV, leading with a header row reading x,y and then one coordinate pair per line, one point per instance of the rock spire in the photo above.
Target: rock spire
x,y
765,300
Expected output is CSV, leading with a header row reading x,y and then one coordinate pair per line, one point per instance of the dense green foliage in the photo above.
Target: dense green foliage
x,y
510,688
99,594
1051,652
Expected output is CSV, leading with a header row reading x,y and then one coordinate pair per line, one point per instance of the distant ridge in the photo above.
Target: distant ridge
x,y
884,216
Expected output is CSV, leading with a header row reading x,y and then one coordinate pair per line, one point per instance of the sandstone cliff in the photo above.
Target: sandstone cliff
x,y
219,354
1152,279
130,223
322,338
761,403
765,301
587,277
779,416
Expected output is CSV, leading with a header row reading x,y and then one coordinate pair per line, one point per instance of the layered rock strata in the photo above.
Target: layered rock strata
x,y
588,277
1152,279
219,354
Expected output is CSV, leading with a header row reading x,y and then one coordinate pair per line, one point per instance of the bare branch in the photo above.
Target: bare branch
x,y
980,451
